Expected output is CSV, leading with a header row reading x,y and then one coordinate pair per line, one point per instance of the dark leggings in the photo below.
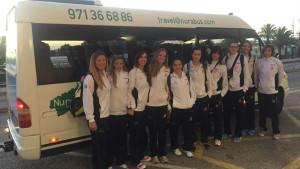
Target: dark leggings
x,y
101,156
250,113
138,136
268,104
181,117
200,113
216,107
157,124
118,137
234,99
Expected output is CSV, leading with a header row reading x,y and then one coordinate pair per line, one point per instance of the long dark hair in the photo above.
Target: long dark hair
x,y
146,67
215,49
202,60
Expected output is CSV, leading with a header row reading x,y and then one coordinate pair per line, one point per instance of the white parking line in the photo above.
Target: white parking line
x,y
166,166
292,117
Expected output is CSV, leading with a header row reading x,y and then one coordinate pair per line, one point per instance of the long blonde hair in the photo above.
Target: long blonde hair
x,y
154,65
94,70
112,69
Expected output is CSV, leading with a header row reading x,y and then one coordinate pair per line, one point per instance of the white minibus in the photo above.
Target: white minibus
x,y
48,49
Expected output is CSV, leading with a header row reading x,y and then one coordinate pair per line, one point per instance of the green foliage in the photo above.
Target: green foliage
x,y
267,33
2,49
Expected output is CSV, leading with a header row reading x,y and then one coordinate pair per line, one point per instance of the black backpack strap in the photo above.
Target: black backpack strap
x,y
226,59
235,60
214,67
205,79
242,71
252,75
171,93
97,105
188,66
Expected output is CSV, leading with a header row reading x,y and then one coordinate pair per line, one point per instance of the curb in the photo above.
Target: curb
x,y
292,70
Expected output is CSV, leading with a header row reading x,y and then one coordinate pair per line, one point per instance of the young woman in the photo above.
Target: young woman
x,y
249,95
219,87
96,103
182,100
268,76
237,75
157,106
118,78
138,90
200,74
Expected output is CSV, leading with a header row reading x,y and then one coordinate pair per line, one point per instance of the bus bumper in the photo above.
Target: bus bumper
x,y
28,147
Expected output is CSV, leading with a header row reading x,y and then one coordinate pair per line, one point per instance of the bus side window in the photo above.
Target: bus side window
x,y
44,68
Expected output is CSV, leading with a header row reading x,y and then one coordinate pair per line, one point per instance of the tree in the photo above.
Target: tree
x,y
2,49
267,32
282,37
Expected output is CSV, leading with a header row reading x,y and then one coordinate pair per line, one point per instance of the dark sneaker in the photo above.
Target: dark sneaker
x,y
237,139
251,132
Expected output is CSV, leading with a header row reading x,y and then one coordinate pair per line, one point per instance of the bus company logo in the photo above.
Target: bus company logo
x,y
62,103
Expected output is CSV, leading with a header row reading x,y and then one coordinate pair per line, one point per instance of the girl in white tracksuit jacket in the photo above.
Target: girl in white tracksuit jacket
x,y
182,100
250,93
157,105
119,80
96,103
219,88
268,76
201,76
137,100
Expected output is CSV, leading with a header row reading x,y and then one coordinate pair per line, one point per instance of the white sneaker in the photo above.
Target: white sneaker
x,y
262,132
177,152
217,142
110,167
124,166
163,159
188,154
276,136
154,160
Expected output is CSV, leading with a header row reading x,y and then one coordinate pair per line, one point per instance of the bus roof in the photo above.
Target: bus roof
x,y
77,14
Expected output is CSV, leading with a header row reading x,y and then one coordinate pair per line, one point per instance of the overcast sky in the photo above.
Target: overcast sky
x,y
256,12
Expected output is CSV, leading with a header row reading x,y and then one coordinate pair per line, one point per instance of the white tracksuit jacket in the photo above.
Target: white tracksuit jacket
x,y
234,82
265,71
119,94
218,72
138,80
184,96
103,95
198,77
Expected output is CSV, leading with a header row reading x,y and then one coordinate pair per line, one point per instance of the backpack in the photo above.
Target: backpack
x,y
76,106
230,71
